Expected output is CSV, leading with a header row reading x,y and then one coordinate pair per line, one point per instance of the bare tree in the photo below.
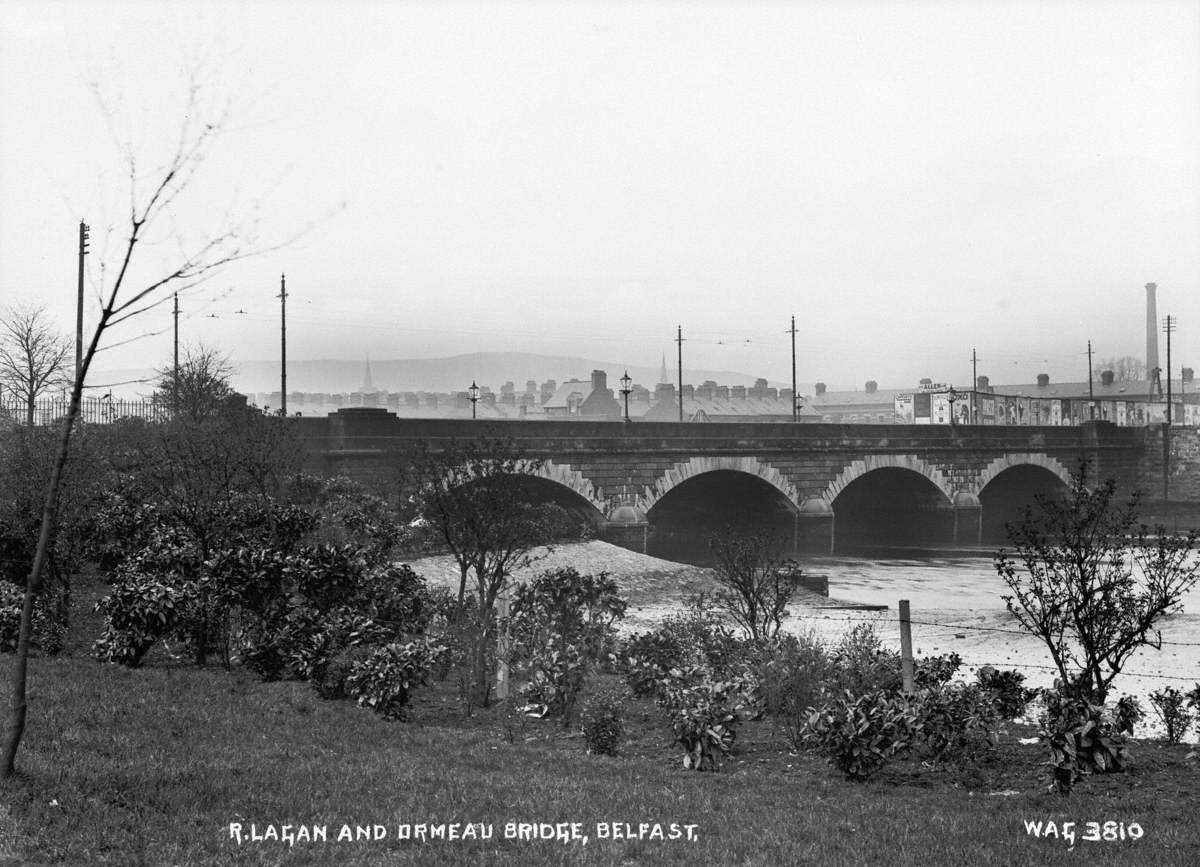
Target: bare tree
x,y
475,500
1092,582
34,357
140,283
757,584
200,388
1126,368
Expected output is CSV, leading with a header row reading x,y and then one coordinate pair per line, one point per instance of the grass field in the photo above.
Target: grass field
x,y
152,766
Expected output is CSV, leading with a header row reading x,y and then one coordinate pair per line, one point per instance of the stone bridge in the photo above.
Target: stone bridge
x,y
907,485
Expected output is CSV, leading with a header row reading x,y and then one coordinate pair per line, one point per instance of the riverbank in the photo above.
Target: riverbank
x,y
956,607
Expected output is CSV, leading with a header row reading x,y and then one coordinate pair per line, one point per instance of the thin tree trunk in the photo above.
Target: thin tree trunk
x,y
49,513
16,728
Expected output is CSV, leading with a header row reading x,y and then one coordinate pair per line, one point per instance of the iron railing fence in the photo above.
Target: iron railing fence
x,y
92,410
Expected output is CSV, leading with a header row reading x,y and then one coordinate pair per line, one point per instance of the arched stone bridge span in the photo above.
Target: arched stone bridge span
x,y
905,484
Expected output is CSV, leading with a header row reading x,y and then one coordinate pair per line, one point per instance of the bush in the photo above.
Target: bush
x,y
330,681
140,611
1127,714
1168,704
602,723
930,672
705,713
384,680
555,684
12,600
956,721
861,734
863,665
696,638
793,674
1008,695
562,624
1081,741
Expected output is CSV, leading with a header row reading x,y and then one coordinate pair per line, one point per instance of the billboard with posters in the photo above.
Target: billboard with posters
x,y
922,408
903,405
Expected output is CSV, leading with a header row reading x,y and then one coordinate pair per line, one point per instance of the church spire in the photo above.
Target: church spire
x,y
662,374
368,387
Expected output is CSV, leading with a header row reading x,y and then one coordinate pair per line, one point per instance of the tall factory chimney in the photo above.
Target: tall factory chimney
x,y
1151,334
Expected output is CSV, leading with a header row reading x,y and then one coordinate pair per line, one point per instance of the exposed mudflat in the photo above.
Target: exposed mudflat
x,y
948,614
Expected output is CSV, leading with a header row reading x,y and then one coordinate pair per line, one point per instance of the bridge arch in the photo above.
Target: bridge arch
x,y
685,470
1022,459
1010,484
569,478
859,468
551,482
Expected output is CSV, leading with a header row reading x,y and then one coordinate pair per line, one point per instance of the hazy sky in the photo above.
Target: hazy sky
x,y
910,179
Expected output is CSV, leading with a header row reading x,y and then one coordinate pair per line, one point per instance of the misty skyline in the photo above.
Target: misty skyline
x,y
911,180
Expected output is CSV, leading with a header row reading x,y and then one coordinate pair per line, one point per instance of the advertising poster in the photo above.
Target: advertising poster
x,y
921,408
903,404
987,407
940,404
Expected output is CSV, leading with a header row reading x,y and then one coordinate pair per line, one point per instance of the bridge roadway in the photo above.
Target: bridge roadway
x,y
935,483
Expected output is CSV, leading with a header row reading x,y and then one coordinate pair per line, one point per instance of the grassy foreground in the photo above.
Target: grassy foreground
x,y
152,766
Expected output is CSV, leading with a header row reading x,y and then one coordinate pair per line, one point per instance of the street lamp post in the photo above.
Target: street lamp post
x,y
473,396
952,396
626,387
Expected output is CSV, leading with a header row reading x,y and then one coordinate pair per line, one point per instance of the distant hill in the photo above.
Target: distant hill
x,y
454,373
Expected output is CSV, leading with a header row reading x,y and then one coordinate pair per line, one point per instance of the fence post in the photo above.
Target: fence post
x,y
906,657
502,646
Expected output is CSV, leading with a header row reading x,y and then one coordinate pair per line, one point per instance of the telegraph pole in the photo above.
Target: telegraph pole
x,y
679,341
974,381
283,345
175,369
83,248
1169,326
795,413
1091,395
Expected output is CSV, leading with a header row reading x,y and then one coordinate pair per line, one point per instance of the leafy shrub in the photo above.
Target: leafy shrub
x,y
1008,695
932,671
793,673
1081,741
956,720
561,624
1193,699
705,713
140,610
646,657
696,638
863,665
602,727
51,613
554,687
384,680
860,734
12,600
330,680
1127,713
1168,704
